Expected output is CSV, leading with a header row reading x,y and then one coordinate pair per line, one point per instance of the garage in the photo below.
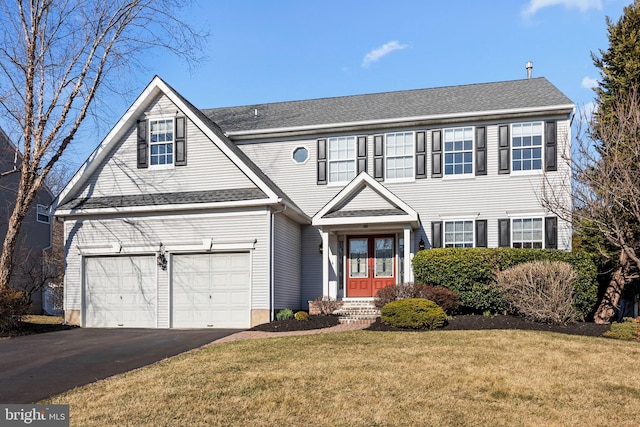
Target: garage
x,y
211,290
121,291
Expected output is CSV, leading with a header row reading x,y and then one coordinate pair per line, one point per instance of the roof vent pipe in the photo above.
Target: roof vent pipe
x,y
529,67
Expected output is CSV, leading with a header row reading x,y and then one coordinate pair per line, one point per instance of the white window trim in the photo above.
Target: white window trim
x,y
412,178
472,174
149,144
308,155
511,149
42,210
354,160
458,219
532,216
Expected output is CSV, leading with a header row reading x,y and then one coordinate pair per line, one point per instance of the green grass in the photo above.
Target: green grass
x,y
453,378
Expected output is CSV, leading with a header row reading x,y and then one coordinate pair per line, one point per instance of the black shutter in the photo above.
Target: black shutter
x,y
436,154
181,141
551,147
504,233
322,161
378,157
143,149
362,154
551,232
504,161
421,154
481,151
481,233
436,234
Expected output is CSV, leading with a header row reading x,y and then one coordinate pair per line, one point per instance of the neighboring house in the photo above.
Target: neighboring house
x,y
216,218
35,234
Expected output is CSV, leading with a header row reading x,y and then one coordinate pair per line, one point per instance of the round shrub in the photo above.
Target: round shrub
x,y
284,314
445,298
413,313
302,316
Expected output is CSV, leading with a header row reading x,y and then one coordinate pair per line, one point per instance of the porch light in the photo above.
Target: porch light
x,y
421,245
320,248
162,259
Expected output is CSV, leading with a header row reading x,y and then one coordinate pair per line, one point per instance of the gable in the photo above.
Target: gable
x,y
207,167
364,200
210,167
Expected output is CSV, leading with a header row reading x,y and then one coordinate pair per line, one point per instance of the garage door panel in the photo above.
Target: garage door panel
x,y
120,291
219,290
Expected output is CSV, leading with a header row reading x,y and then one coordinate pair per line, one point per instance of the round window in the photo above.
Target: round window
x,y
300,155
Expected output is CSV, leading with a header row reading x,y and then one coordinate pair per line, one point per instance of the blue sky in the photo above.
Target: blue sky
x,y
280,50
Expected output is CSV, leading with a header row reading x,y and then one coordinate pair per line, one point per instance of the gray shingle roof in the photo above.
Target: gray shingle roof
x,y
159,199
484,97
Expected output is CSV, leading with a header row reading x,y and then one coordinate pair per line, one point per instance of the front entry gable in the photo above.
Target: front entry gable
x,y
365,200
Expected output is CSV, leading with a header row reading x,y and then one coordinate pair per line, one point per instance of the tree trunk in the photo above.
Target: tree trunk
x,y
607,308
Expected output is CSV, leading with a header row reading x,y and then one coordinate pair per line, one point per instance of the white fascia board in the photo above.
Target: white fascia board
x,y
391,219
434,117
165,208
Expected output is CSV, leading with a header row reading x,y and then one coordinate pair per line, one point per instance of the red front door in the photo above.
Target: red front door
x,y
371,265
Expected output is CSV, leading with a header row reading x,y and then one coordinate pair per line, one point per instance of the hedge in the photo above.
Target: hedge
x,y
471,273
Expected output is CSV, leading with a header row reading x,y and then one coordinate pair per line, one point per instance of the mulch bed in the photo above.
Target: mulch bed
x,y
27,328
460,322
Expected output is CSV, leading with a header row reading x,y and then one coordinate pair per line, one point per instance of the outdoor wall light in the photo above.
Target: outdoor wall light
x,y
320,248
421,245
162,259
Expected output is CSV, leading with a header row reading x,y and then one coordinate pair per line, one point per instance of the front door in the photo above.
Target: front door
x,y
371,265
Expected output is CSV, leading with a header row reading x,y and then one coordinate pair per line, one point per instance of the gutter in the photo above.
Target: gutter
x,y
416,120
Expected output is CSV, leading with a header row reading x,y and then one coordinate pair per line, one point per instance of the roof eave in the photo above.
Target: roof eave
x,y
427,120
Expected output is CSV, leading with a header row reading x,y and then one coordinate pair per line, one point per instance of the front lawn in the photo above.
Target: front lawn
x,y
364,378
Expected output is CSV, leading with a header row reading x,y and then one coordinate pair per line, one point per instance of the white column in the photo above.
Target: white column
x,y
325,263
408,271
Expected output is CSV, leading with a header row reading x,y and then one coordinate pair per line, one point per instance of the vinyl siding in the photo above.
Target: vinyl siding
x,y
149,231
208,168
489,197
366,199
287,268
311,264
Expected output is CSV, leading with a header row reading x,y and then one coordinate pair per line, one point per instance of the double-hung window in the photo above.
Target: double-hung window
x,y
42,214
458,234
399,156
527,233
342,159
161,140
526,146
458,151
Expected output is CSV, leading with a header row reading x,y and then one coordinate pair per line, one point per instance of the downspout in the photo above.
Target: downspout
x,y
272,227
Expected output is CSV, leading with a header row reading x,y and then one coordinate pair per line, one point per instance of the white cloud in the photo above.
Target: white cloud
x,y
383,50
583,5
589,83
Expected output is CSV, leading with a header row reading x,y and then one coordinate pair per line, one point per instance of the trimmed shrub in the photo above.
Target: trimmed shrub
x,y
445,298
471,272
628,329
413,313
302,316
324,305
284,314
541,291
14,305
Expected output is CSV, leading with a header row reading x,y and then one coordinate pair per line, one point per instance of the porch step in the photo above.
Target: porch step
x,y
357,311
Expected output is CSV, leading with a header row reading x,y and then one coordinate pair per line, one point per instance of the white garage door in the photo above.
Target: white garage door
x,y
211,290
120,291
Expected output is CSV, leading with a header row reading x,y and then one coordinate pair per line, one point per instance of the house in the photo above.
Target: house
x,y
188,218
35,235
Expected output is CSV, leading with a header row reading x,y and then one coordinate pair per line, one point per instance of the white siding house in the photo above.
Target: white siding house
x,y
217,218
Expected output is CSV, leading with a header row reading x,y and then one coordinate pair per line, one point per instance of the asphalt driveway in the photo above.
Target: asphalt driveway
x,y
35,367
